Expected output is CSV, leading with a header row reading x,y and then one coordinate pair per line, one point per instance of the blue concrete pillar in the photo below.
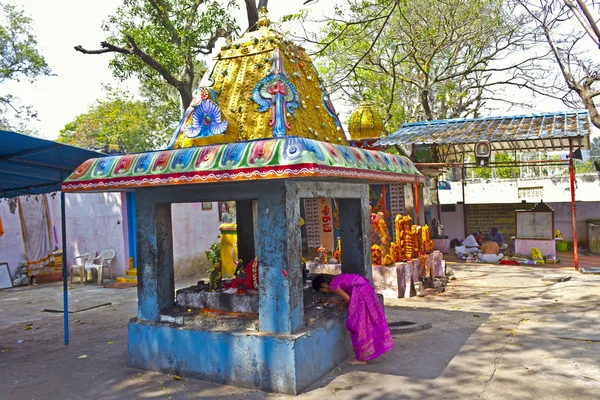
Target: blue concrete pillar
x,y
355,236
156,284
279,246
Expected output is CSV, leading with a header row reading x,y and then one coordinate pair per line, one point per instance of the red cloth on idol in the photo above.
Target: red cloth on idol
x,y
248,280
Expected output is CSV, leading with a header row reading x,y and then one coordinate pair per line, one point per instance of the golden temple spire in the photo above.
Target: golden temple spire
x,y
261,86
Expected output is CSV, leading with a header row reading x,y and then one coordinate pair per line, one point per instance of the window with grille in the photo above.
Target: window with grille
x,y
536,192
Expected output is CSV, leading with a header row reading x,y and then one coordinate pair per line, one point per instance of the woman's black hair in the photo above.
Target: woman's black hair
x,y
319,279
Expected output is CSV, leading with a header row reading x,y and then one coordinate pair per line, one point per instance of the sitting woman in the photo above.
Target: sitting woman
x,y
490,251
365,320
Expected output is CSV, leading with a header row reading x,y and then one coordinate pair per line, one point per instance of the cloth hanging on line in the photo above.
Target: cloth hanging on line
x,y
36,228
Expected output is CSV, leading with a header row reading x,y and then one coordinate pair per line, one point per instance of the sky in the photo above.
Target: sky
x,y
78,81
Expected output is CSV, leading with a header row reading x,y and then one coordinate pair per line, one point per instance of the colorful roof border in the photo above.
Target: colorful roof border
x,y
288,157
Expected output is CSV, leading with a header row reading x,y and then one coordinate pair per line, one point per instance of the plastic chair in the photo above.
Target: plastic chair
x,y
102,262
88,259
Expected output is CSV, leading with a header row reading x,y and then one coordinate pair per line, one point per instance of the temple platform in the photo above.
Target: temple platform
x,y
198,298
230,350
394,281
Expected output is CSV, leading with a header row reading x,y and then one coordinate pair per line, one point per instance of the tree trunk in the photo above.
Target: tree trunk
x,y
588,102
185,93
424,96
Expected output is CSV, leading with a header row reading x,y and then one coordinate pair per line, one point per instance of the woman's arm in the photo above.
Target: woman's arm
x,y
345,297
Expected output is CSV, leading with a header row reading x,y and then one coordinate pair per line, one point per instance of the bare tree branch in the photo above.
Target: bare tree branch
x,y
590,26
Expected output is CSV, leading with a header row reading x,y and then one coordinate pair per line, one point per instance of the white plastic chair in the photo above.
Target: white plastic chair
x,y
88,259
101,263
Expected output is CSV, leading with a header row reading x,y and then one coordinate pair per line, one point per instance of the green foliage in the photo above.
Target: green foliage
x,y
587,167
417,59
162,40
133,125
501,172
213,254
19,59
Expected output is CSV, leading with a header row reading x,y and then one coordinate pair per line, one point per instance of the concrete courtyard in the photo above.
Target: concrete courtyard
x,y
498,332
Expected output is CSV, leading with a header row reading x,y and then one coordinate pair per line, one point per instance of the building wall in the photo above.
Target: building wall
x,y
495,202
453,223
194,230
95,223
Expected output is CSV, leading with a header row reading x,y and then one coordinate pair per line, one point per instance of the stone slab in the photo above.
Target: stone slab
x,y
194,297
397,281
317,268
442,245
524,246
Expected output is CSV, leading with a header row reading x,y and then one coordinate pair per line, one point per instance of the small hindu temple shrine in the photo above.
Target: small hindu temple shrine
x,y
262,132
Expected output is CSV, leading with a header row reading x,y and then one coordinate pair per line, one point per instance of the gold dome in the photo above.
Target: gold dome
x,y
264,86
365,123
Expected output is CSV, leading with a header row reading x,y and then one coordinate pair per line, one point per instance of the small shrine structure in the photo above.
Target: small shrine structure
x,y
262,133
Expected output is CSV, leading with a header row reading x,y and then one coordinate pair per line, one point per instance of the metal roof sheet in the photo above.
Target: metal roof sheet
x,y
29,165
535,132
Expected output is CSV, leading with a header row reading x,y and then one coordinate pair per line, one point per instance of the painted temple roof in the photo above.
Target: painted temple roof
x,y
261,86
288,157
264,114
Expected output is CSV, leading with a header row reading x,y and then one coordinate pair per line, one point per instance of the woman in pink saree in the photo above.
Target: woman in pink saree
x,y
365,320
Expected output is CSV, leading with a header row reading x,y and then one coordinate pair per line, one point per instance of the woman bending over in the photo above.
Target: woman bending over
x,y
365,320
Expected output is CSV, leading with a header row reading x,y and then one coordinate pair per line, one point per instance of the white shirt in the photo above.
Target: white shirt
x,y
470,241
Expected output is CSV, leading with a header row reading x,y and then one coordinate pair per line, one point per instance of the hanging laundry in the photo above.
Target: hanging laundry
x,y
36,228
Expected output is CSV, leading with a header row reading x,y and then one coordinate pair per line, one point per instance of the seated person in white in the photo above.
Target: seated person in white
x,y
490,251
469,245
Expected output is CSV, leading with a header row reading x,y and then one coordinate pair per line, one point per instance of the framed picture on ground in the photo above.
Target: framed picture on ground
x,y
206,205
5,280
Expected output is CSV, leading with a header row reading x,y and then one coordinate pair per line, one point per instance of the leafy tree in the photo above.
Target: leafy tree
x,y
19,59
160,41
505,172
421,59
584,167
120,120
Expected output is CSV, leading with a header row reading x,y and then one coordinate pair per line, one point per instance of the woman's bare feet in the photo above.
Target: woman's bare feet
x,y
354,361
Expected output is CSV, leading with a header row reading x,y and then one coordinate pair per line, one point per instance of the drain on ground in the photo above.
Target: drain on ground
x,y
401,323
401,327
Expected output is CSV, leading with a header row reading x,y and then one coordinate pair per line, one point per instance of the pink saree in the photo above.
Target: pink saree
x,y
366,321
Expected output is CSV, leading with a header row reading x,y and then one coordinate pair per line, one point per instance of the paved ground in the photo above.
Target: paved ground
x,y
499,332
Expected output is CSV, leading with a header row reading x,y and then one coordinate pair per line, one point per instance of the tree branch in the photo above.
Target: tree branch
x,y
106,48
590,27
160,8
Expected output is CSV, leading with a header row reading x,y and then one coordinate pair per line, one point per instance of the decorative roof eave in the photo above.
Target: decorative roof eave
x,y
288,157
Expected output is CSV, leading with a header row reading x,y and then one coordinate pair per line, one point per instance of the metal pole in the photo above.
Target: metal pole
x,y
464,203
573,210
416,191
439,206
498,163
64,266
